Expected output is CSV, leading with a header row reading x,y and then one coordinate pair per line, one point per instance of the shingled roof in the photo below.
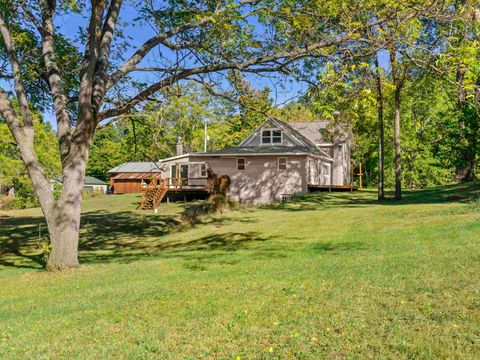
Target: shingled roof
x,y
299,138
312,129
136,167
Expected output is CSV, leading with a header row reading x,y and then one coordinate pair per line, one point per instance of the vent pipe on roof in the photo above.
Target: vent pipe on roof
x,y
179,146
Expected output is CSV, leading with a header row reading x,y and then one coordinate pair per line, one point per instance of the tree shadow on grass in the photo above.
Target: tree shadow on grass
x,y
120,237
455,193
21,242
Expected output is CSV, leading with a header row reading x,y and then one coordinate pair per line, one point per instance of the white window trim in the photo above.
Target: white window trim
x,y
271,136
278,163
244,163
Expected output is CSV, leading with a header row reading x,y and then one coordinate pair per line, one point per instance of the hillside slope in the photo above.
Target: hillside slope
x,y
327,275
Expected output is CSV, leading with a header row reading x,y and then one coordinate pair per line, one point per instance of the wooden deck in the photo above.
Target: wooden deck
x,y
313,188
158,189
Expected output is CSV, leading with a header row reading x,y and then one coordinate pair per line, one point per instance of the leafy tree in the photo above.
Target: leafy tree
x,y
11,173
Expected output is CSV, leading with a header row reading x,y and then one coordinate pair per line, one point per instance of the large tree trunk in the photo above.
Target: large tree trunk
x,y
64,218
64,225
396,125
63,228
381,142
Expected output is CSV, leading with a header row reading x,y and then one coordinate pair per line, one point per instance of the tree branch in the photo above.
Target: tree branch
x,y
18,82
150,44
54,78
104,52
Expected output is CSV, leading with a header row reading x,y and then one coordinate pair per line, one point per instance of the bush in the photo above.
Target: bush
x,y
89,194
6,202
217,201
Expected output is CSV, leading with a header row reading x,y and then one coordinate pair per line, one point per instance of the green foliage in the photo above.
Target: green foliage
x,y
13,173
253,107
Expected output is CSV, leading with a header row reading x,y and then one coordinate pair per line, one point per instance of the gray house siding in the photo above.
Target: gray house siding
x,y
261,182
341,167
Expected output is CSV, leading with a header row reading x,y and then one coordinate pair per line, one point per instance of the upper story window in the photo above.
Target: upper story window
x,y
271,136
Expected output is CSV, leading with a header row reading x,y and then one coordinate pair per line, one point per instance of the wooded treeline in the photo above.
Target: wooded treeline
x,y
404,75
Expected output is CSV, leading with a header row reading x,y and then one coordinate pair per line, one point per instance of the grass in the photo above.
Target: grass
x,y
328,275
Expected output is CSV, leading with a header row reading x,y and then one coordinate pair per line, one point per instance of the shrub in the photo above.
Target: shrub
x,y
217,201
6,202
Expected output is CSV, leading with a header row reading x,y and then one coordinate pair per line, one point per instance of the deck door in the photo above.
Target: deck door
x,y
184,173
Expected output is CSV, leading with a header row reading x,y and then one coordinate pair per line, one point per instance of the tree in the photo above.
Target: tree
x,y
204,38
381,130
11,174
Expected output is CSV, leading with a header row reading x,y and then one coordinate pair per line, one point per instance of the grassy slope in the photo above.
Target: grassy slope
x,y
332,274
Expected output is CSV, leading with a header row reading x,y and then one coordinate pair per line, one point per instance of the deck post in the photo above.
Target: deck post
x,y
361,175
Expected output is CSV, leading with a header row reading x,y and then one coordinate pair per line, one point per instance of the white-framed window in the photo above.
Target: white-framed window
x,y
241,164
282,163
272,136
203,170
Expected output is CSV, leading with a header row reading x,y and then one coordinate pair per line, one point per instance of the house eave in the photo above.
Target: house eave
x,y
262,154
175,157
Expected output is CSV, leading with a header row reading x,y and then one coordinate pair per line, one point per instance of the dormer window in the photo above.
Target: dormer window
x,y
271,136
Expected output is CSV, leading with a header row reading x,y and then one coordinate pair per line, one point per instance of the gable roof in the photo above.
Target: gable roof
x,y
89,180
135,167
297,138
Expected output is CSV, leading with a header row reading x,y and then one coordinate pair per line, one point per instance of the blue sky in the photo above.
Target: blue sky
x,y
284,89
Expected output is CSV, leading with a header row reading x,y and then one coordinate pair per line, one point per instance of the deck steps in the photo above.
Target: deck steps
x,y
153,194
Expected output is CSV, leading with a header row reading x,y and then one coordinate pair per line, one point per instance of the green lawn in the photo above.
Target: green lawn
x,y
330,275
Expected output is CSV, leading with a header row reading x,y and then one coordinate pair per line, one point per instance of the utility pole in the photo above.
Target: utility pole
x,y
205,135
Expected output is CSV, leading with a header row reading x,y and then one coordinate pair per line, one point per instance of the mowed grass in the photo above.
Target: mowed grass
x,y
334,275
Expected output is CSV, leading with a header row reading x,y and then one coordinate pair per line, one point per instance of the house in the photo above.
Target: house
x,y
274,162
91,184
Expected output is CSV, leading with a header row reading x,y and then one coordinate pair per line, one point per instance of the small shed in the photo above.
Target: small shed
x,y
91,184
132,177
94,184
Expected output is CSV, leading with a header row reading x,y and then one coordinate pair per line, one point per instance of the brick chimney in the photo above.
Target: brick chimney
x,y
179,146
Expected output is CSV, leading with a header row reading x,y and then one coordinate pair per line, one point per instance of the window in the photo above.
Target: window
x,y
241,164
282,163
271,136
179,174
203,170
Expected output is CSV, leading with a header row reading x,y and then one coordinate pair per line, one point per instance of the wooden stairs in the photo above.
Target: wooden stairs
x,y
154,193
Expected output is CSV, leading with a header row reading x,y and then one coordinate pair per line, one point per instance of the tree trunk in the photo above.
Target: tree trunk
x,y
381,142
64,218
398,149
396,125
464,170
64,221
469,126
63,230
